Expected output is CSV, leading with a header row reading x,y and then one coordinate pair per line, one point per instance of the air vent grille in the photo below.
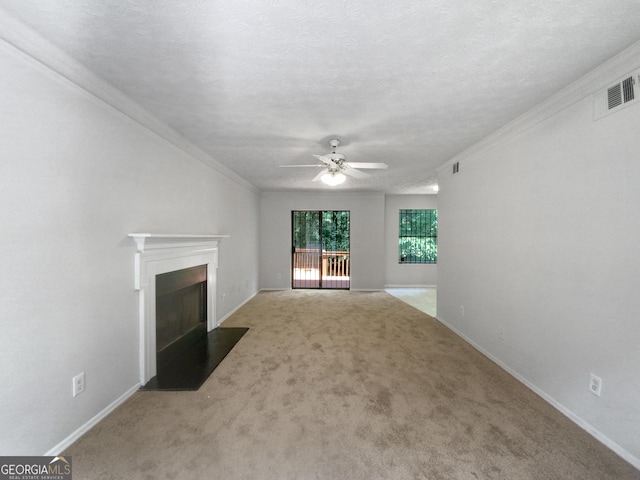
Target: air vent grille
x,y
623,93
614,96
627,89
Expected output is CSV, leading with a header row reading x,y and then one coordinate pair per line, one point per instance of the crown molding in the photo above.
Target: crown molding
x,y
30,43
626,61
323,193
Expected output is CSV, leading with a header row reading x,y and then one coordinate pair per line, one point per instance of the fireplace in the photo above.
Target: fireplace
x,y
181,310
175,276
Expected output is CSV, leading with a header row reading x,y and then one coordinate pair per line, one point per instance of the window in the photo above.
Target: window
x,y
418,239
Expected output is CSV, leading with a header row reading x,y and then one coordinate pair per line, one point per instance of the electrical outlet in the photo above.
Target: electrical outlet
x,y
278,276
461,311
78,384
595,385
501,334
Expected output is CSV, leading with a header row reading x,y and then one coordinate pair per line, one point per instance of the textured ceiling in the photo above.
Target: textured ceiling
x,y
258,83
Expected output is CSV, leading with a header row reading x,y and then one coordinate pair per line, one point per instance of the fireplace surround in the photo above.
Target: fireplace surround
x,y
158,254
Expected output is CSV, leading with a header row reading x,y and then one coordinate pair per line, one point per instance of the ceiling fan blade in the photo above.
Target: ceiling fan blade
x,y
296,166
355,173
319,176
327,161
368,165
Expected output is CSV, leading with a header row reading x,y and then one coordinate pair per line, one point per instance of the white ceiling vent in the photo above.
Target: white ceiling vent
x,y
622,93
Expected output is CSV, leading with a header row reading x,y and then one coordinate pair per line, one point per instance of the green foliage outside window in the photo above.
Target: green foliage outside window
x,y
331,228
418,238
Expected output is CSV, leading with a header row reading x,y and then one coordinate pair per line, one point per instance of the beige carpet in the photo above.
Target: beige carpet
x,y
344,385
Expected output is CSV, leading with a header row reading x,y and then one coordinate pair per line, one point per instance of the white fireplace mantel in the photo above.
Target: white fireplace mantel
x,y
169,240
166,245
159,253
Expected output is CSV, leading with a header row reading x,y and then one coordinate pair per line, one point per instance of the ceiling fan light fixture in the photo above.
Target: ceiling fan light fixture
x,y
333,178
335,167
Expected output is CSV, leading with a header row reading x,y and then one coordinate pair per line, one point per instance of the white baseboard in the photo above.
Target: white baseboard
x,y
236,309
323,289
410,286
602,438
66,443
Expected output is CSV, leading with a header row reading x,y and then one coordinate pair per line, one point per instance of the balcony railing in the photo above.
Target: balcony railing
x,y
309,263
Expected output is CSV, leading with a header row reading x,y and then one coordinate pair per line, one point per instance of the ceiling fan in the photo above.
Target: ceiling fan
x,y
336,167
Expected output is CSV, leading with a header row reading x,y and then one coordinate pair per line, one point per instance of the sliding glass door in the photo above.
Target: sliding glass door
x,y
320,249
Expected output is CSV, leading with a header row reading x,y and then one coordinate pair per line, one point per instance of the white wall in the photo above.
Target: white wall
x,y
367,235
405,275
539,238
76,176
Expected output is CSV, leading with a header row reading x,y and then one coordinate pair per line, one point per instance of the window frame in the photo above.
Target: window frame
x,y
423,231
